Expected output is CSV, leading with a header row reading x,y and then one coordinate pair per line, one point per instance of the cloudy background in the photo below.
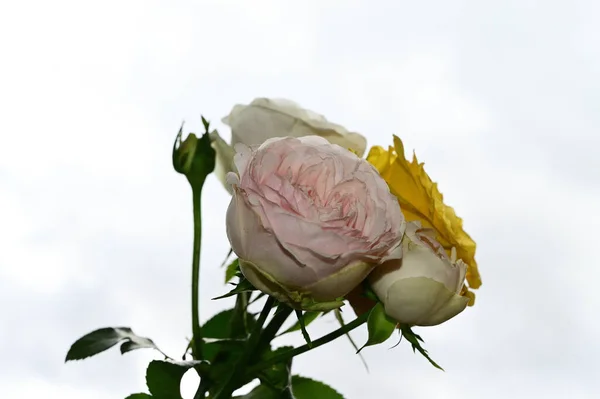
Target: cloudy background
x,y
500,99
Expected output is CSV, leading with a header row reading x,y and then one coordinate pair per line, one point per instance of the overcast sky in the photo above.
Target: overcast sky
x,y
499,99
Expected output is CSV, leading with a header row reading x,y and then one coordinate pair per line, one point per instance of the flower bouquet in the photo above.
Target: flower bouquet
x,y
313,226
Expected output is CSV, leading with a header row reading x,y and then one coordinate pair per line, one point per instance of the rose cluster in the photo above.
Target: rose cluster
x,y
311,221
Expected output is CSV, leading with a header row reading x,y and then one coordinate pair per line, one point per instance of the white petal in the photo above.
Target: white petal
x,y
339,284
242,157
224,160
423,302
420,261
266,118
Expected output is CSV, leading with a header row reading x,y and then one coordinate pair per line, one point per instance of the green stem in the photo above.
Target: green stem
x,y
197,333
202,389
272,328
239,318
305,348
232,383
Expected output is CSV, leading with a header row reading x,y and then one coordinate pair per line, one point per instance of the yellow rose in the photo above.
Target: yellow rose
x,y
421,200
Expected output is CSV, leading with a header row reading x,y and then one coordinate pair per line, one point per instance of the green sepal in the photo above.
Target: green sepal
x,y
232,270
243,286
300,316
205,123
340,319
379,325
294,298
309,317
414,341
369,293
310,304
227,257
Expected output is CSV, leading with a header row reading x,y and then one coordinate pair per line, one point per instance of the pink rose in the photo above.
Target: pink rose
x,y
309,220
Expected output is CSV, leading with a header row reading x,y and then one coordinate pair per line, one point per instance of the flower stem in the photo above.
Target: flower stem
x,y
305,348
271,329
232,383
197,333
201,392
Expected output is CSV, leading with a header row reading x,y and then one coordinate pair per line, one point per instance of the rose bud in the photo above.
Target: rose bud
x,y
309,220
423,288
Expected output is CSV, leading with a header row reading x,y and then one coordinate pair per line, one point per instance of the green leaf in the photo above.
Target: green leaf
x,y
414,341
306,388
105,338
134,344
261,392
340,319
232,269
163,378
278,375
243,286
220,327
139,396
275,380
309,317
222,347
379,325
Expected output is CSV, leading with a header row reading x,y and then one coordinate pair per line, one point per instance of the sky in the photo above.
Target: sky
x,y
499,99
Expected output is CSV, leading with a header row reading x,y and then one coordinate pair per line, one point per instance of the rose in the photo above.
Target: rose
x,y
423,288
421,200
266,118
309,220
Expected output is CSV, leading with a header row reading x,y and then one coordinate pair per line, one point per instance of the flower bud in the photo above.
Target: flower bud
x,y
194,157
423,288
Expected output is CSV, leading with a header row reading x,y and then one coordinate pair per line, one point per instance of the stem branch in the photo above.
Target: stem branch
x,y
305,348
235,377
271,329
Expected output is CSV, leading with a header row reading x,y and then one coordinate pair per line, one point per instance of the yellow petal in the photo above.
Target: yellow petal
x,y
421,200
469,294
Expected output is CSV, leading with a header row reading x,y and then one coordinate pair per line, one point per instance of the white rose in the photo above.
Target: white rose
x,y
423,288
266,118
